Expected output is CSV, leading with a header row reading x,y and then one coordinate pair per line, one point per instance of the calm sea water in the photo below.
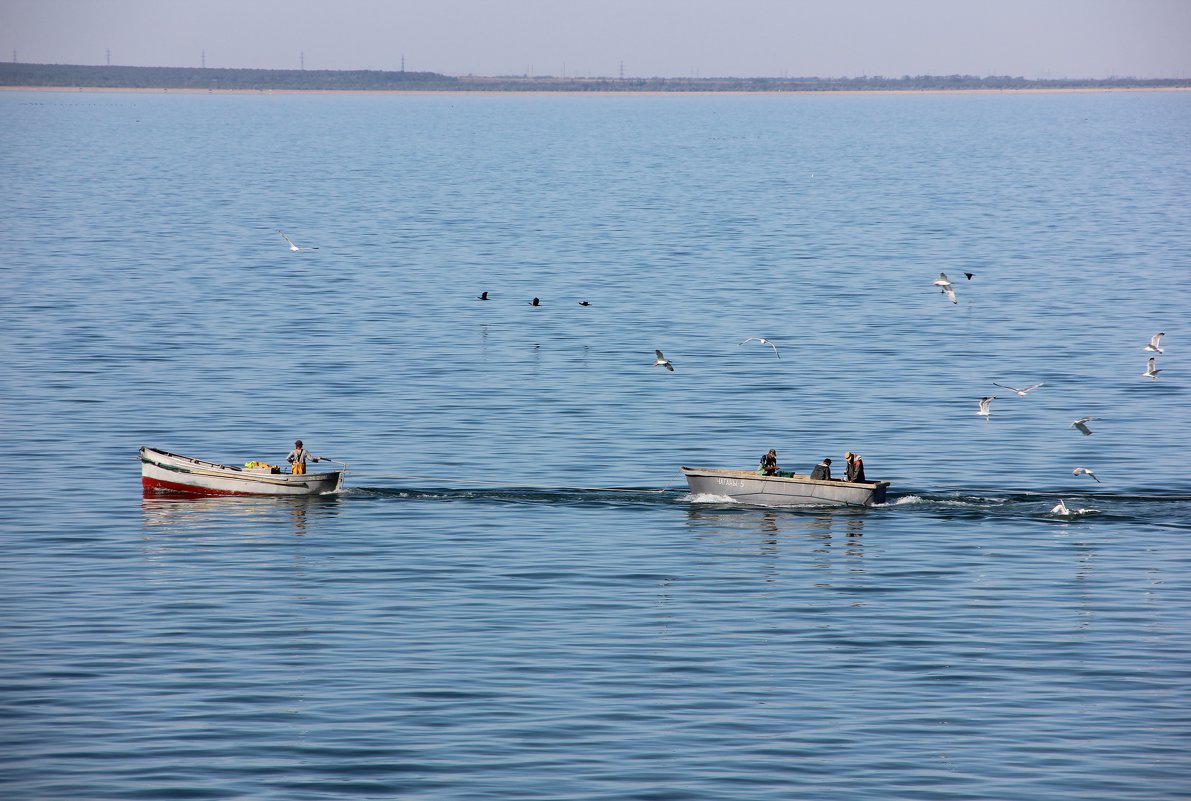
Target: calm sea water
x,y
516,597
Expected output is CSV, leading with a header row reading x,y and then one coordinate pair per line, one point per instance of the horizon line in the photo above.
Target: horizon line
x,y
612,78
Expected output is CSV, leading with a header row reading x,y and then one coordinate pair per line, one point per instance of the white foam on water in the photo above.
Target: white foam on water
x,y
707,497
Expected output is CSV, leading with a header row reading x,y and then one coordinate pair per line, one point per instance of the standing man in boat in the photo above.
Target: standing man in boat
x,y
855,469
298,456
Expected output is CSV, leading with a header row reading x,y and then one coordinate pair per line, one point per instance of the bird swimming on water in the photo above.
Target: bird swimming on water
x,y
1151,371
662,361
535,302
1060,508
1154,340
584,303
293,248
482,296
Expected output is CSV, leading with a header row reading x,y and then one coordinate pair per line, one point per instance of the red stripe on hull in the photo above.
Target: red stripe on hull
x,y
157,485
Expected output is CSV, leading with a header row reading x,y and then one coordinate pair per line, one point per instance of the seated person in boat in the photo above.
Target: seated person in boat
x,y
768,464
822,471
298,456
854,472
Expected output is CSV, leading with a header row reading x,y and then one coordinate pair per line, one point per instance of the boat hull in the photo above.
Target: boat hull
x,y
747,487
169,472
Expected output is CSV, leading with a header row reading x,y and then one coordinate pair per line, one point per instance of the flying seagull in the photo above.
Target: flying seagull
x,y
1151,371
1153,346
662,361
1081,424
763,341
945,287
1083,471
1021,393
482,296
984,402
293,248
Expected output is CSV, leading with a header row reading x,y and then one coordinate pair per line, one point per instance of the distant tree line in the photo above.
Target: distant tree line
x,y
214,79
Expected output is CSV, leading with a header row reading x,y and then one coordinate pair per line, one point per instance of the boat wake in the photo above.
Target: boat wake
x,y
706,497
1162,510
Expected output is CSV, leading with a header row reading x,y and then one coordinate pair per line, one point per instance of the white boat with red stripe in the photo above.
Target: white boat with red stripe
x,y
168,472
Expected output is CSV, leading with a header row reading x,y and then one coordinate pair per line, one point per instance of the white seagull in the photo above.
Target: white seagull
x,y
1153,346
945,287
1083,471
1021,393
763,341
662,361
1151,371
1081,424
293,248
984,402
1060,508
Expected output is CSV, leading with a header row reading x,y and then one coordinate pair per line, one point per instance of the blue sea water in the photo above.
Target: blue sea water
x,y
515,597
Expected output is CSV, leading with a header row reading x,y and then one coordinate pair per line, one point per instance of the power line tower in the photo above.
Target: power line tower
x,y
622,70
302,60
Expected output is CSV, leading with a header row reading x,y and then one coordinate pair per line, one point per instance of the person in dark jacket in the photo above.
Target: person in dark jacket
x,y
822,471
769,463
855,469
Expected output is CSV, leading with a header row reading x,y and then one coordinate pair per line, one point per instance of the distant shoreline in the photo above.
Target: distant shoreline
x,y
595,93
83,78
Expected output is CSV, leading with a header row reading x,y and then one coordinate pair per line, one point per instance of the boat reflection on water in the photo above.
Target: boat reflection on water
x,y
768,524
245,515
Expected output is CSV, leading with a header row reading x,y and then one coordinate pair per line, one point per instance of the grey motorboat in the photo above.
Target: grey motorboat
x,y
746,486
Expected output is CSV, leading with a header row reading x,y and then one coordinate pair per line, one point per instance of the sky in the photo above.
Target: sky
x,y
636,38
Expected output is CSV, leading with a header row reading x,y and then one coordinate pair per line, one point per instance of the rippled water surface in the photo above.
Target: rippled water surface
x,y
515,596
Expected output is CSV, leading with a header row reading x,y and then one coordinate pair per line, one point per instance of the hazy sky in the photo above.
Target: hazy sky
x,y
827,38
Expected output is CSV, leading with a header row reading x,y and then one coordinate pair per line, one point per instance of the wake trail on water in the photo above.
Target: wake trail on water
x,y
1165,510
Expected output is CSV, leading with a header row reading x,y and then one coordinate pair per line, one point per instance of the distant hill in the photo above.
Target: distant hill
x,y
213,79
